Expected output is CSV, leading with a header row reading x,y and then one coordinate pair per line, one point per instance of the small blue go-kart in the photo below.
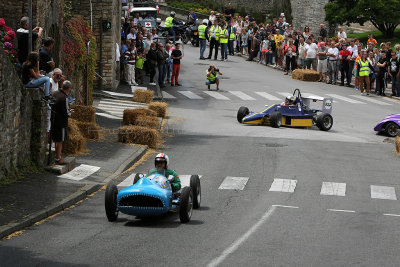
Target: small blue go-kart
x,y
152,196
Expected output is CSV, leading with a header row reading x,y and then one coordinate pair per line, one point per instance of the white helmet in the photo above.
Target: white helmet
x,y
172,14
162,157
205,21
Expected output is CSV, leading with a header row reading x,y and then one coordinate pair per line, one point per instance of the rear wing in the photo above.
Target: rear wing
x,y
326,102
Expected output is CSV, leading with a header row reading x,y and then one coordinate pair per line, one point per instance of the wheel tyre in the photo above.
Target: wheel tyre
x,y
391,129
186,205
111,202
184,38
196,188
137,178
276,119
324,121
242,112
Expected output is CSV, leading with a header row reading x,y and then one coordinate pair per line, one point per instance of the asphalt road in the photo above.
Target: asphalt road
x,y
337,204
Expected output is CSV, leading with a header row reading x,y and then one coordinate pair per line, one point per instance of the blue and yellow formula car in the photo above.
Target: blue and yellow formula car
x,y
152,196
296,111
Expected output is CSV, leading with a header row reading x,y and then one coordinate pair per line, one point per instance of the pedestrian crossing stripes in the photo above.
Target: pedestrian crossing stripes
x,y
283,185
118,94
371,99
114,109
279,96
190,95
81,172
278,185
346,99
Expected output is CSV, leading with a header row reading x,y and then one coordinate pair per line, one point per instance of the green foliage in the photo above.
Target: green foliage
x,y
378,36
282,6
383,14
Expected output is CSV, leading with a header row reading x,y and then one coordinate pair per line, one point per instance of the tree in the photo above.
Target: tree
x,y
383,14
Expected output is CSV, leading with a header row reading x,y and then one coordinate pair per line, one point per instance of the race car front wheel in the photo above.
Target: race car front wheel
x,y
195,185
186,205
242,112
111,202
324,122
276,119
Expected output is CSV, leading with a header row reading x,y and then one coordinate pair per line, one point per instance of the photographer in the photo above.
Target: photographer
x,y
212,76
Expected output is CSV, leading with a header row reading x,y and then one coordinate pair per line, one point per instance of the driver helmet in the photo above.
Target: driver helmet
x,y
290,100
205,21
162,157
172,14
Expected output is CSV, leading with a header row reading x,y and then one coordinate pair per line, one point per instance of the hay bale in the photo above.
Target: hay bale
x,y
83,113
305,75
143,96
148,122
89,130
130,115
139,135
75,142
160,108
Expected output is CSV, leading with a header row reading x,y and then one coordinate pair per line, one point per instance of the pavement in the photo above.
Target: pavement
x,y
39,195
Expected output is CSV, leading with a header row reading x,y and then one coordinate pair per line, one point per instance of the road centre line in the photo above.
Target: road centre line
x,y
349,211
238,242
283,206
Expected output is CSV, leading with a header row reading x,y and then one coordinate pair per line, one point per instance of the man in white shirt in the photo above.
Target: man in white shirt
x,y
333,54
310,53
341,33
132,34
353,55
137,19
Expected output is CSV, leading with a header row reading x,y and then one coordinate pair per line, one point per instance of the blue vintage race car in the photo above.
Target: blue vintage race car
x,y
301,113
152,196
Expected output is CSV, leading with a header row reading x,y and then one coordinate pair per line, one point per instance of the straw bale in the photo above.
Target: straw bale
x,y
83,113
143,96
89,130
75,142
160,108
305,75
139,135
148,122
130,115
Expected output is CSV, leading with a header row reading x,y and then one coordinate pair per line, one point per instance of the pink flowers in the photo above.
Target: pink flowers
x,y
7,35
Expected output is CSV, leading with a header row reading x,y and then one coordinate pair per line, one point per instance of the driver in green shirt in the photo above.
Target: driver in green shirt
x,y
161,167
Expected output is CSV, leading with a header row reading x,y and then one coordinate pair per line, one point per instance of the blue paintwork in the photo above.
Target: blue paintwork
x,y
156,186
394,118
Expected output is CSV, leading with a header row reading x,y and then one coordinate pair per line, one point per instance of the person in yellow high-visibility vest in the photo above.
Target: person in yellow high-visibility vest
x,y
363,67
232,37
169,24
214,39
202,29
224,39
212,76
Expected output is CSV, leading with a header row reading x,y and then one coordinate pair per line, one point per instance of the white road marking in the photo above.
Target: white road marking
x,y
216,95
283,185
80,172
383,192
267,96
285,94
371,99
114,117
393,215
118,94
190,95
333,189
185,179
311,95
167,96
349,211
116,108
234,183
119,104
238,242
241,95
345,99
134,88
283,206
122,101
128,181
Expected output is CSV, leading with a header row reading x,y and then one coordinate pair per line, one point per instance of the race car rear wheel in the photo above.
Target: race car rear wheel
x,y
196,188
276,119
324,121
111,202
242,112
186,205
137,177
391,129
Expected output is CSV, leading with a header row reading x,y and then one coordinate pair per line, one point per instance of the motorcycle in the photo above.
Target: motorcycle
x,y
180,33
192,34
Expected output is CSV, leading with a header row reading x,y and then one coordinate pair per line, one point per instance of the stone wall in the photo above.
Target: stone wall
x,y
259,5
308,12
109,10
22,121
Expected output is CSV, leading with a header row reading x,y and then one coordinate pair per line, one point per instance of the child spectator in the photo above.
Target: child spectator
x,y
176,56
140,59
